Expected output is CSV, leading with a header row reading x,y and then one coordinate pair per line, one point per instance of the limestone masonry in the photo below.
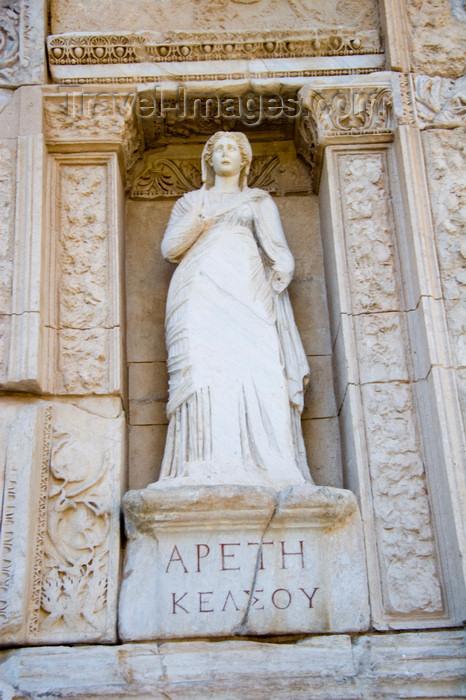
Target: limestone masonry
x,y
244,476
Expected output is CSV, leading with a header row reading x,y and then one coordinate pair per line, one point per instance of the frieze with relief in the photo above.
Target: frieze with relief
x,y
213,15
440,102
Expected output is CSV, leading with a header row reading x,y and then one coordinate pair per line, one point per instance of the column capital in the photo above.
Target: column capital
x,y
92,118
359,112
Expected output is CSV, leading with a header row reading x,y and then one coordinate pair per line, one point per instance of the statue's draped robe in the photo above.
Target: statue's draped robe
x,y
236,364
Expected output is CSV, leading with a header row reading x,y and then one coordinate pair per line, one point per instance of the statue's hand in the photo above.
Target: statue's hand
x,y
205,222
280,281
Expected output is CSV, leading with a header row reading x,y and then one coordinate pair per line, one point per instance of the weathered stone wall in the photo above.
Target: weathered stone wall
x,y
446,168
437,37
118,15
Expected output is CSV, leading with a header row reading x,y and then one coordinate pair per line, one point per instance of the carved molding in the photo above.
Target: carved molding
x,y
145,56
440,102
21,242
147,47
286,72
33,621
407,114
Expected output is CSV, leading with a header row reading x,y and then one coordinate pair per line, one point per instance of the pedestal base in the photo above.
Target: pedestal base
x,y
206,561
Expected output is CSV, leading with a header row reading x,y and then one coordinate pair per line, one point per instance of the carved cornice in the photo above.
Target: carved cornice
x,y
147,47
225,55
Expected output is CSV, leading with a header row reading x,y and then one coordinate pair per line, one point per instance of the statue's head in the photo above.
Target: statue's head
x,y
244,147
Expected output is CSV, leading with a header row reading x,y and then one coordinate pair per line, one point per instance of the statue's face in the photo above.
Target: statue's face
x,y
226,157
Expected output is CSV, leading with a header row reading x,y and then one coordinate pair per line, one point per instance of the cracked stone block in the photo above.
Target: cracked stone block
x,y
215,561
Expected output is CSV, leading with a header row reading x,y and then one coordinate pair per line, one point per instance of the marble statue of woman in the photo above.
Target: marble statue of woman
x,y
236,363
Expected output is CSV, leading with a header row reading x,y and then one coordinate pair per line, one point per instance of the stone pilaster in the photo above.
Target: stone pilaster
x,y
387,319
63,442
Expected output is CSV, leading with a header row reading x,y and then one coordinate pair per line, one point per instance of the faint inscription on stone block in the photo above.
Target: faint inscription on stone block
x,y
232,560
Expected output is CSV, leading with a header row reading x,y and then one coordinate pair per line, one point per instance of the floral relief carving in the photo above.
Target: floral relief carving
x,y
158,177
381,347
406,549
74,581
368,229
446,166
72,550
90,371
83,263
162,177
402,515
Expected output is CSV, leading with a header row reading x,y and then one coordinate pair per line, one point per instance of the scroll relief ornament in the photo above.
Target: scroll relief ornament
x,y
158,177
72,556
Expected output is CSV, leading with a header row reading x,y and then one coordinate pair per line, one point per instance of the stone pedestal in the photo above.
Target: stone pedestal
x,y
208,561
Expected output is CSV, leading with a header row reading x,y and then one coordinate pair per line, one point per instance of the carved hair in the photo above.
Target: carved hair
x,y
208,173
